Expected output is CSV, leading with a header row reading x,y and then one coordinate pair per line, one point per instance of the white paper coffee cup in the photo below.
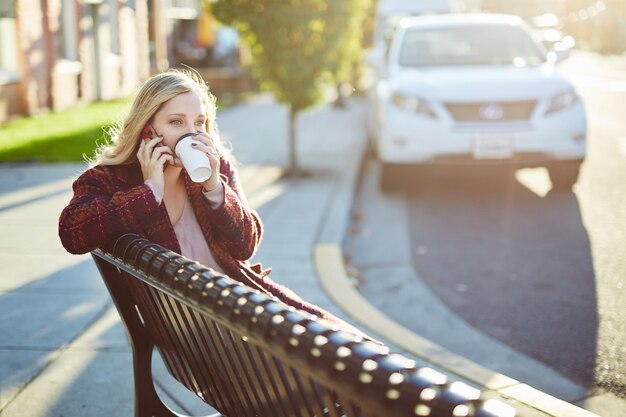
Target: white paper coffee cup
x,y
196,162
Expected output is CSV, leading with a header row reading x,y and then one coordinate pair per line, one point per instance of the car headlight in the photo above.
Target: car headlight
x,y
562,101
412,104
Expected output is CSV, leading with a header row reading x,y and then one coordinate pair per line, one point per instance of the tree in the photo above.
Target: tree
x,y
298,47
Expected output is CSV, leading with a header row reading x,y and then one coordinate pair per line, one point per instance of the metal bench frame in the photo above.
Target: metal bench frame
x,y
247,354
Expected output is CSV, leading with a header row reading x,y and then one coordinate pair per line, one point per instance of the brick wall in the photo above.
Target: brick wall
x,y
48,82
33,43
10,100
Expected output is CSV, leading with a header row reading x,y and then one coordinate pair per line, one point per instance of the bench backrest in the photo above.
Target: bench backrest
x,y
247,354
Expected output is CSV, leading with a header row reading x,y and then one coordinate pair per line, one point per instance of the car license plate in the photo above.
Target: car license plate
x,y
492,147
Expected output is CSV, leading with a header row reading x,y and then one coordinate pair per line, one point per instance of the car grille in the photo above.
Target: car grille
x,y
503,111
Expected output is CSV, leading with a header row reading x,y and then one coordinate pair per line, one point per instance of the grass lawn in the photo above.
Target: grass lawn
x,y
59,136
68,135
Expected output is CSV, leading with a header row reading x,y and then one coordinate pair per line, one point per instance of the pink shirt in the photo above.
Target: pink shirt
x,y
193,245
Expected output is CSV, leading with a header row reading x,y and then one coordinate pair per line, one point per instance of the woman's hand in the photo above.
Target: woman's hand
x,y
152,157
204,143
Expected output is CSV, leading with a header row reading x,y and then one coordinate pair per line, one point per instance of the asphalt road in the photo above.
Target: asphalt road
x,y
514,265
542,271
602,197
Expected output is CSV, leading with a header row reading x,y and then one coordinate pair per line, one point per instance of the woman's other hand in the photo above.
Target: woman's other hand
x,y
152,157
204,143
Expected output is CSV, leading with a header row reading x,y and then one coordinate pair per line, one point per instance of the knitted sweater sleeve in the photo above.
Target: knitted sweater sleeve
x,y
97,213
237,226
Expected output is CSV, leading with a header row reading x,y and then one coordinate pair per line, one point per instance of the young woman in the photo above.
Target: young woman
x,y
136,184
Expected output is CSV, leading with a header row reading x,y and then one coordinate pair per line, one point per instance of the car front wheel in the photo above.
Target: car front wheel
x,y
564,174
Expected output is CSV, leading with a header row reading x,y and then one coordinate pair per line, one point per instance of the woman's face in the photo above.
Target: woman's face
x,y
182,114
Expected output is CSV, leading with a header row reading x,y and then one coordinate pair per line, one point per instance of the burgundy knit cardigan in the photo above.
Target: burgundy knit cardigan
x,y
112,199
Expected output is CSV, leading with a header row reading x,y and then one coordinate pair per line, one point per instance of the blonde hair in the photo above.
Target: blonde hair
x,y
157,90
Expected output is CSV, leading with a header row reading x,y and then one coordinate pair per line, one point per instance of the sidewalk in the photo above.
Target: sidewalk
x,y
63,351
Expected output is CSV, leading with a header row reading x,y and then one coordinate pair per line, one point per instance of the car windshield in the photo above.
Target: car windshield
x,y
469,45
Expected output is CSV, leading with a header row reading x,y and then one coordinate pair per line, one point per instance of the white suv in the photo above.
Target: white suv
x,y
475,89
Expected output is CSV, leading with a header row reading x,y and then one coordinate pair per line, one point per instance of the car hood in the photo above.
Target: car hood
x,y
469,84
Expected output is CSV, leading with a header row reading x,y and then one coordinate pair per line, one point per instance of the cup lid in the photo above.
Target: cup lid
x,y
183,137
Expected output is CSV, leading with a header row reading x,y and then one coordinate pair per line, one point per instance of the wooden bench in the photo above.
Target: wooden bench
x,y
247,354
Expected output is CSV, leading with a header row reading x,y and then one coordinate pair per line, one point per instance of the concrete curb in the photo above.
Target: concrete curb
x,y
329,264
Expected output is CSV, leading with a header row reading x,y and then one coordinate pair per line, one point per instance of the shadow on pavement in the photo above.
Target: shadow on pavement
x,y
64,327
514,265
43,316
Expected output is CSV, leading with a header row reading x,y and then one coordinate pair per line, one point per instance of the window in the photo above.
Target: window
x,y
471,45
115,34
66,42
9,71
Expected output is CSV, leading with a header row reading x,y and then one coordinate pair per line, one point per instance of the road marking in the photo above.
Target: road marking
x,y
330,267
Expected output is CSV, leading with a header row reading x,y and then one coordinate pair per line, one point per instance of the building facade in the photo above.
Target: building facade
x,y
56,54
